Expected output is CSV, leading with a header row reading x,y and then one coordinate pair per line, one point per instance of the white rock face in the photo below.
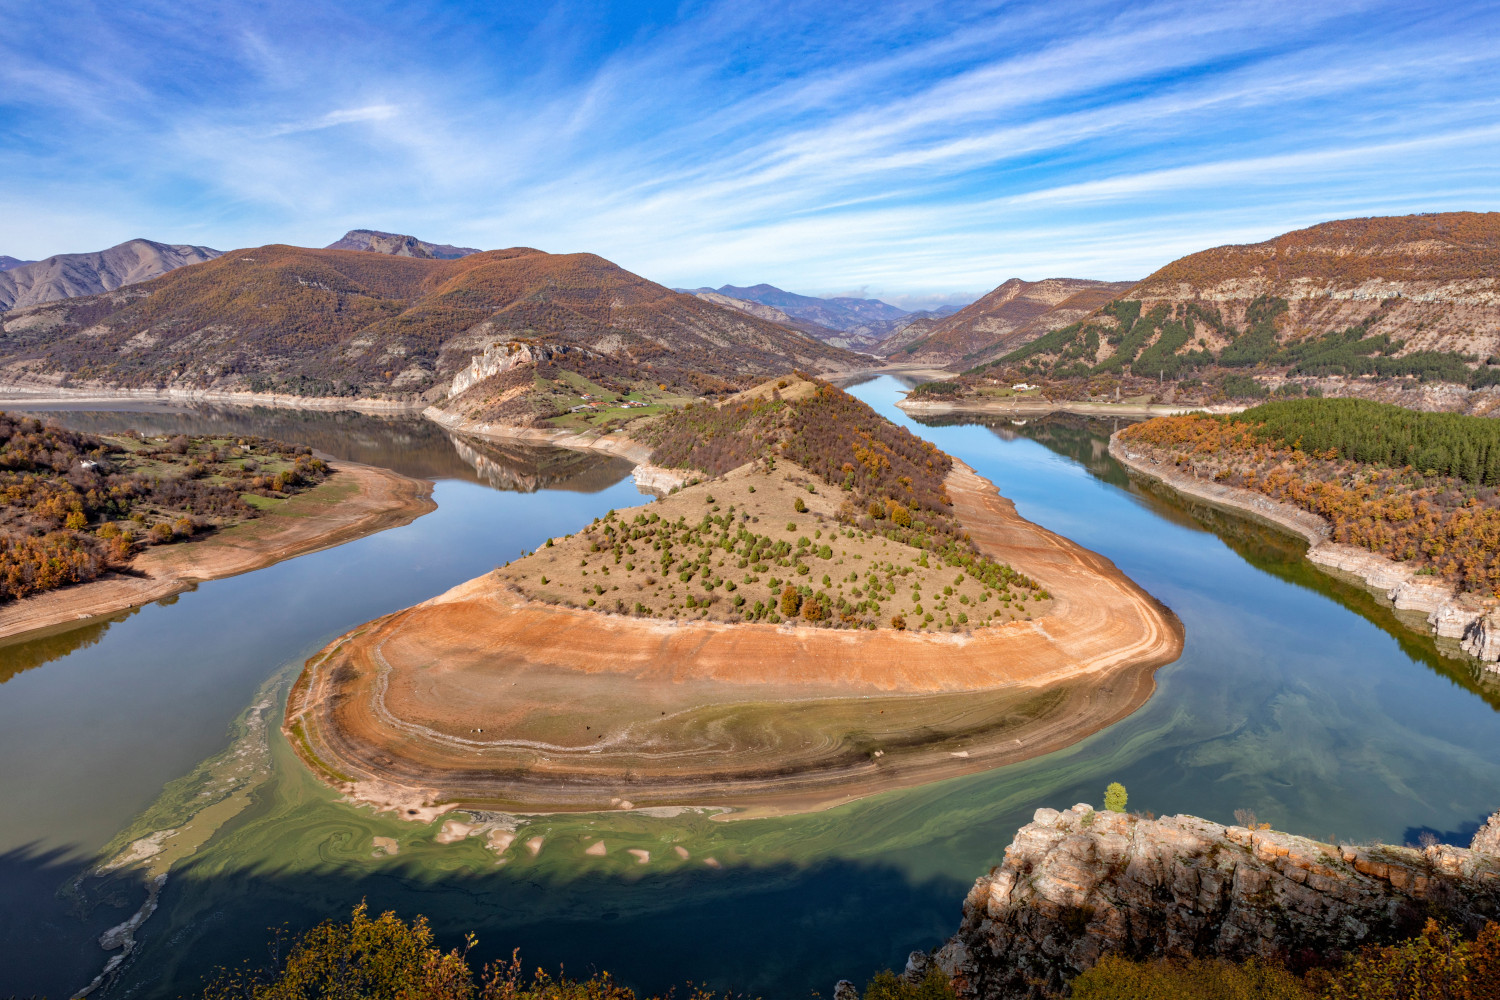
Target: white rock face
x,y
657,479
1481,638
504,355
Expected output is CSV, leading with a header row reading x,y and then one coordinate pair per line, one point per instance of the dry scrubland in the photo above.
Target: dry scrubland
x,y
738,548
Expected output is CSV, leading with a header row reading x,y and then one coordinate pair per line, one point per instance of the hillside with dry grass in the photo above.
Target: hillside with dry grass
x,y
352,323
1431,281
1013,314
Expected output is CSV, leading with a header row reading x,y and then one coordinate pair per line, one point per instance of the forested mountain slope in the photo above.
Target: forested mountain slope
x,y
344,322
72,274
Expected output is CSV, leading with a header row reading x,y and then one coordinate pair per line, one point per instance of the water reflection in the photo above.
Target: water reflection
x,y
411,445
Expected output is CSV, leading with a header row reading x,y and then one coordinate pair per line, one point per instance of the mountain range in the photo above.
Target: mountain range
x,y
846,321
7,262
388,315
26,283
354,323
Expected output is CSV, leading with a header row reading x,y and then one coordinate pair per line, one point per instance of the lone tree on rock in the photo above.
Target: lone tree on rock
x,y
1115,797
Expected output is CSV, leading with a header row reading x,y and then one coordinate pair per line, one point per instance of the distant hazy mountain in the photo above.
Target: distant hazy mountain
x,y
69,275
1014,314
398,245
845,321
6,263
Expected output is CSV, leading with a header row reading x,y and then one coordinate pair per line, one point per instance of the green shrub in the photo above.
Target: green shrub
x,y
889,986
1116,978
1115,797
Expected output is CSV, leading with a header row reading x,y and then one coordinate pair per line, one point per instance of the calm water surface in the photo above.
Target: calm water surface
x,y
1296,697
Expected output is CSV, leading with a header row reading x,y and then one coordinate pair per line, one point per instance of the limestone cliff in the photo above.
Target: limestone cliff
x,y
1078,885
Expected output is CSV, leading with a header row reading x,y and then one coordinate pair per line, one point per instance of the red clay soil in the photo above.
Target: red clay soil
x,y
482,698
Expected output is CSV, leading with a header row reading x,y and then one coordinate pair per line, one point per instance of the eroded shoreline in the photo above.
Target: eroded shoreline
x,y
1032,407
482,699
1473,623
355,501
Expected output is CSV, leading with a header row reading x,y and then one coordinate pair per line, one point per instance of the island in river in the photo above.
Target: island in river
x,y
828,607
91,525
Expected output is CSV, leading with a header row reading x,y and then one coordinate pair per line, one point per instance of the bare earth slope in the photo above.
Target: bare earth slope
x,y
483,698
1014,314
70,275
1431,280
358,324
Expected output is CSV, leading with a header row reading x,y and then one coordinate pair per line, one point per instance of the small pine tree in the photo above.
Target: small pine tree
x,y
1115,797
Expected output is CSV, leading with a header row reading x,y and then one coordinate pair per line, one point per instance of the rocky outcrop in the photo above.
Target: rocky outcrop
x,y
1487,840
1471,620
504,355
398,245
657,479
1079,884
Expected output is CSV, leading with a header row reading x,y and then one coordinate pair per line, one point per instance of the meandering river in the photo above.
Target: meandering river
x,y
1297,697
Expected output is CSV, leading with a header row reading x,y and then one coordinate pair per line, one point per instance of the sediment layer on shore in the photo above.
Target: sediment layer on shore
x,y
355,501
14,394
1026,406
481,698
1473,622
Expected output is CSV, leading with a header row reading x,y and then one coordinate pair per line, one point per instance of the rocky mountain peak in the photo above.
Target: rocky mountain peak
x,y
398,245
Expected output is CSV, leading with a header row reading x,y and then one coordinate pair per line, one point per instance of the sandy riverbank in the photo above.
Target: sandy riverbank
x,y
1030,406
1475,624
483,699
356,500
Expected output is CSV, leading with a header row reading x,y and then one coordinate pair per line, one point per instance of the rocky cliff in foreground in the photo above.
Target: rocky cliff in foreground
x,y
1078,885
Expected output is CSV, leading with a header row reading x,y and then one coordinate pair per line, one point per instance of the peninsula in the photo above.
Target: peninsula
x,y
828,607
93,525
1407,502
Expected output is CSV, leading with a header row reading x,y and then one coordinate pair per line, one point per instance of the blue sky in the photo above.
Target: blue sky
x,y
907,150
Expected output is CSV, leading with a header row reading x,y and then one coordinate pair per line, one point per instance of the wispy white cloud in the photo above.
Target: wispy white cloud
x,y
913,149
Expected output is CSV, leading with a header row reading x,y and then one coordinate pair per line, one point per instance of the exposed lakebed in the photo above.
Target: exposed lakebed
x,y
1294,697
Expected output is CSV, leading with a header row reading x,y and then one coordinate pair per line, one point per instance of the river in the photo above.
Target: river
x,y
1297,697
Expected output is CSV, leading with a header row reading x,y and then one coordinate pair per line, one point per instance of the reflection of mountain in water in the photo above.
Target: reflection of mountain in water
x,y
1083,439
410,445
526,468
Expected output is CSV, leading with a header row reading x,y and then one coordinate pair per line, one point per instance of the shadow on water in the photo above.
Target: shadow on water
x,y
1085,440
652,930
